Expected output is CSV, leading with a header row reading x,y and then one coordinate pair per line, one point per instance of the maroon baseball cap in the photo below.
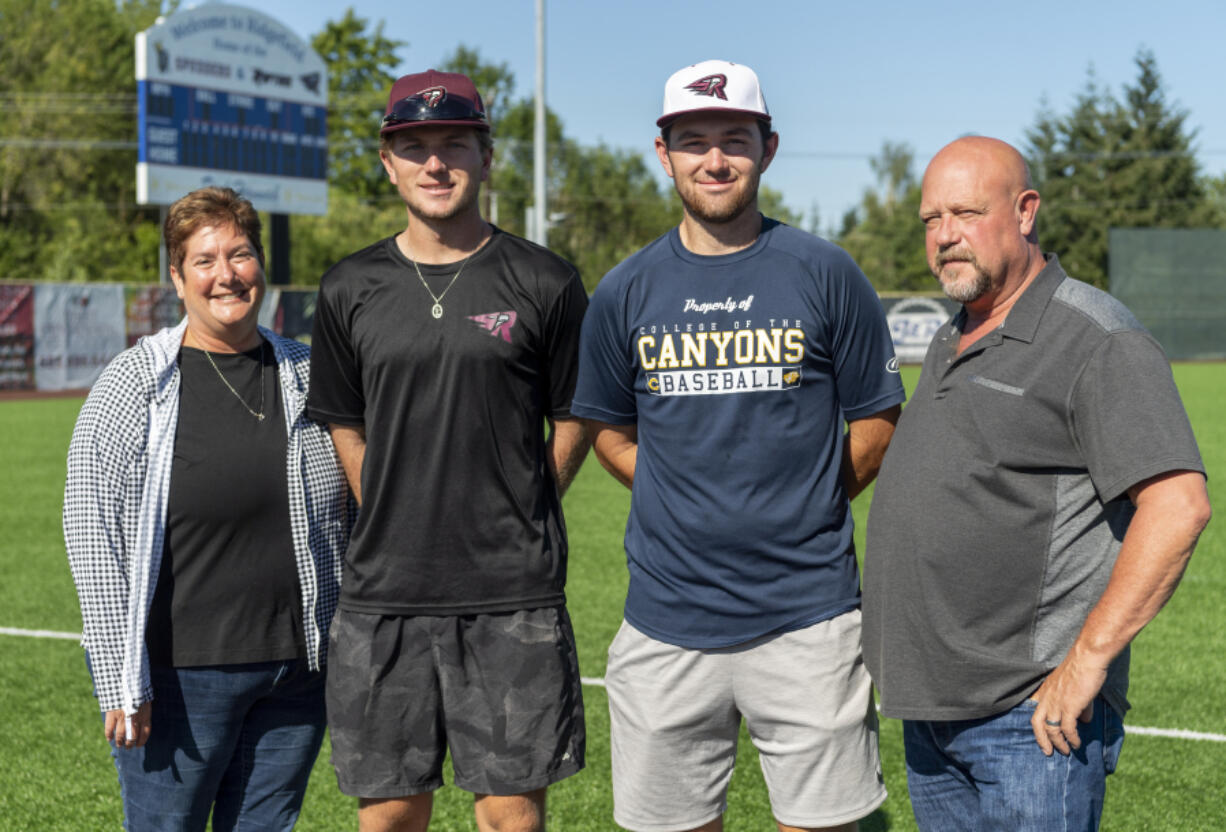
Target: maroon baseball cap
x,y
433,97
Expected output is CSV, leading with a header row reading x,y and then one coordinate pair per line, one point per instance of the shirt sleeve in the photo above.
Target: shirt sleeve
x,y
336,377
862,351
562,327
102,487
605,389
1128,418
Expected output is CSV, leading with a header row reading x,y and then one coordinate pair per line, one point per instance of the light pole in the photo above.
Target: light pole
x,y
539,224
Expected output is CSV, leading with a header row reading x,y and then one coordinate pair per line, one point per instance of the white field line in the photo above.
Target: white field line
x,y
14,631
1173,733
596,681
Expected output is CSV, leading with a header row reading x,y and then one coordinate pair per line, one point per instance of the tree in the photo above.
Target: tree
x,y
1216,191
1109,162
892,167
351,223
495,82
361,203
509,191
611,206
884,235
67,108
605,203
770,203
359,77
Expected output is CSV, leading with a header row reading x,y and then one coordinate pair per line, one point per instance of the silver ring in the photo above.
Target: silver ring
x,y
1052,723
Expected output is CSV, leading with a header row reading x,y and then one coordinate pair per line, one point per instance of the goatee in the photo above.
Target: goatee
x,y
968,289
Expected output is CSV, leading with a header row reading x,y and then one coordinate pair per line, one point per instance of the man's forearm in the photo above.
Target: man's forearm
x,y
1171,513
350,443
1172,509
864,447
616,447
565,450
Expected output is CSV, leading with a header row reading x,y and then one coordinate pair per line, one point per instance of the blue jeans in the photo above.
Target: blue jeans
x,y
989,774
235,740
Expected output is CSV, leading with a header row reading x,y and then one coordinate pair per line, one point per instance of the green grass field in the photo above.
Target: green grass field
x,y
55,773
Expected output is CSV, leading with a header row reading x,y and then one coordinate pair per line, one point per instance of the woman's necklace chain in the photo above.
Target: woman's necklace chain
x,y
259,415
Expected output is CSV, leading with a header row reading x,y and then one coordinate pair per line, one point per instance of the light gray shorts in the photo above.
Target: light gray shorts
x,y
807,701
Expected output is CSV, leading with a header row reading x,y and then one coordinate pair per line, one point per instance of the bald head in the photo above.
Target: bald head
x,y
987,155
979,211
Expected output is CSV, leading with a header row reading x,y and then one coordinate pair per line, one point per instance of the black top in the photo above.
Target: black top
x,y
227,590
459,513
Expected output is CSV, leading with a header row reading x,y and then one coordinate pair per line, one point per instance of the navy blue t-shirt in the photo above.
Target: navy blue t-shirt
x,y
738,371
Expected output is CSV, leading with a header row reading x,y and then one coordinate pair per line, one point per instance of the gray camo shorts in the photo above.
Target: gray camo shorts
x,y
501,690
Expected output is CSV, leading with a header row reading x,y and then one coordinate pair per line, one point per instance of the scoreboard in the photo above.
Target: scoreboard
x,y
228,96
228,131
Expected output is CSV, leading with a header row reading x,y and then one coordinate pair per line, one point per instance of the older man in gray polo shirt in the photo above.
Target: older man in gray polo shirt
x,y
1037,507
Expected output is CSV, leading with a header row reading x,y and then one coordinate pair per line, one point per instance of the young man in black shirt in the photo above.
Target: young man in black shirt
x,y
438,355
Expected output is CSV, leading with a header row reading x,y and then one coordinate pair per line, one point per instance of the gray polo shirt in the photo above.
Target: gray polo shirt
x,y
1002,501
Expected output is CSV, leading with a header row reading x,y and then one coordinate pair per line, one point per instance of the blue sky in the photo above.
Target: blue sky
x,y
839,78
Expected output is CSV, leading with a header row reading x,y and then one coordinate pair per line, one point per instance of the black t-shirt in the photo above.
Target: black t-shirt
x,y
227,590
459,512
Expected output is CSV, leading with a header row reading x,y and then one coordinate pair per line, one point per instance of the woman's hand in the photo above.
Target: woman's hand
x,y
117,729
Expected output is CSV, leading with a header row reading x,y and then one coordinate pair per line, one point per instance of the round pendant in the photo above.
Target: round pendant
x,y
437,310
260,416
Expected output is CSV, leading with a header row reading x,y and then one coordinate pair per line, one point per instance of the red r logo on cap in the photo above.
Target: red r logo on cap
x,y
712,85
433,95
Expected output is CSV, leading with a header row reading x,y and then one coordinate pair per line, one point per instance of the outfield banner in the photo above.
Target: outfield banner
x,y
1174,281
78,329
60,336
148,309
913,322
16,337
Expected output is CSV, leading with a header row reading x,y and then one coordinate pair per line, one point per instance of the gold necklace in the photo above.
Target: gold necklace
x,y
437,309
230,387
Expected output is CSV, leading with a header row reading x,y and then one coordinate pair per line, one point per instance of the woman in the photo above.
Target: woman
x,y
205,518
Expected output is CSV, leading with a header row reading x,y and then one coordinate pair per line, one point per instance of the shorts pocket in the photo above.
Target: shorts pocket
x,y
616,646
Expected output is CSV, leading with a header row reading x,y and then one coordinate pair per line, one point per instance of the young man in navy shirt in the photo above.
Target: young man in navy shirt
x,y
718,366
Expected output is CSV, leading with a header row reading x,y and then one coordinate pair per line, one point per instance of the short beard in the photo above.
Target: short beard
x,y
720,214
966,290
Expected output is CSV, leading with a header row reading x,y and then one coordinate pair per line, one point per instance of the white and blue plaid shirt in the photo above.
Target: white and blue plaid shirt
x,y
115,504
